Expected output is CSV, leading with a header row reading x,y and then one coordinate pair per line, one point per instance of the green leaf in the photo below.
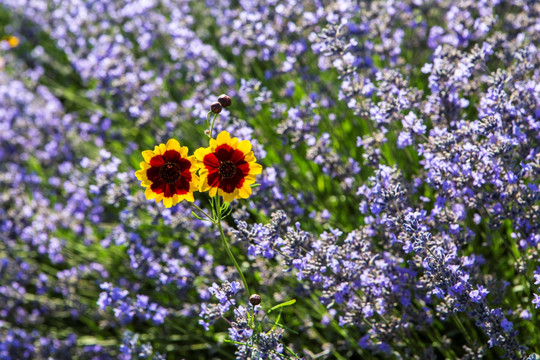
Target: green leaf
x,y
279,325
277,321
292,352
278,306
234,342
196,216
200,218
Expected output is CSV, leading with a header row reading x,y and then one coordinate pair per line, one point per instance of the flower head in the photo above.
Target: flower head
x,y
168,174
228,167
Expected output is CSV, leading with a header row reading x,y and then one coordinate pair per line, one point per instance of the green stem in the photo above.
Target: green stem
x,y
208,122
203,212
229,252
212,126
228,249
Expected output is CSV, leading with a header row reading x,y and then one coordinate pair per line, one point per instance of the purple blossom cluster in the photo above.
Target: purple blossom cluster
x,y
125,309
18,344
477,167
248,338
132,348
399,202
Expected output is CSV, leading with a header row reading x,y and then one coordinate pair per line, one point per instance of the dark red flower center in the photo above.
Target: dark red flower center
x,y
227,169
169,172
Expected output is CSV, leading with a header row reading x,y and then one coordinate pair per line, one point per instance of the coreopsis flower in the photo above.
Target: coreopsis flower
x,y
227,167
168,173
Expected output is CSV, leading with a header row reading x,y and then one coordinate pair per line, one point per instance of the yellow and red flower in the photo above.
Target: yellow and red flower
x,y
168,174
227,167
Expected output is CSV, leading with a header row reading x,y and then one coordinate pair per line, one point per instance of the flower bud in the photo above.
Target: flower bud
x,y
255,299
216,108
224,100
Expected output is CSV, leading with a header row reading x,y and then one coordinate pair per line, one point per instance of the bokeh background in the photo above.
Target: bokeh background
x,y
399,202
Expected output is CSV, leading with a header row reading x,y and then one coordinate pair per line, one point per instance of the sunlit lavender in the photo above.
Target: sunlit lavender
x,y
397,214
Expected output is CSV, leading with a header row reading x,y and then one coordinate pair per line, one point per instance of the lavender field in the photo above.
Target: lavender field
x,y
247,179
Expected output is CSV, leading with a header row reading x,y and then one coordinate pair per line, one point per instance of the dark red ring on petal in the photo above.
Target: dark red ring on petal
x,y
170,174
227,168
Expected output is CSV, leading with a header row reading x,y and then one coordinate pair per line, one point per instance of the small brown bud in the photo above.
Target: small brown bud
x,y
224,100
216,107
255,299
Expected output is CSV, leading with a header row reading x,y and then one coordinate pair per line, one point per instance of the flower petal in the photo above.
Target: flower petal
x,y
173,144
243,167
255,168
193,161
213,179
194,185
148,155
149,193
153,174
188,197
203,184
245,191
171,156
170,190
228,197
203,172
238,157
182,186
167,201
162,148
223,138
184,151
211,162
223,153
249,157
234,143
194,181
141,175
200,153
244,146
157,161
249,179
